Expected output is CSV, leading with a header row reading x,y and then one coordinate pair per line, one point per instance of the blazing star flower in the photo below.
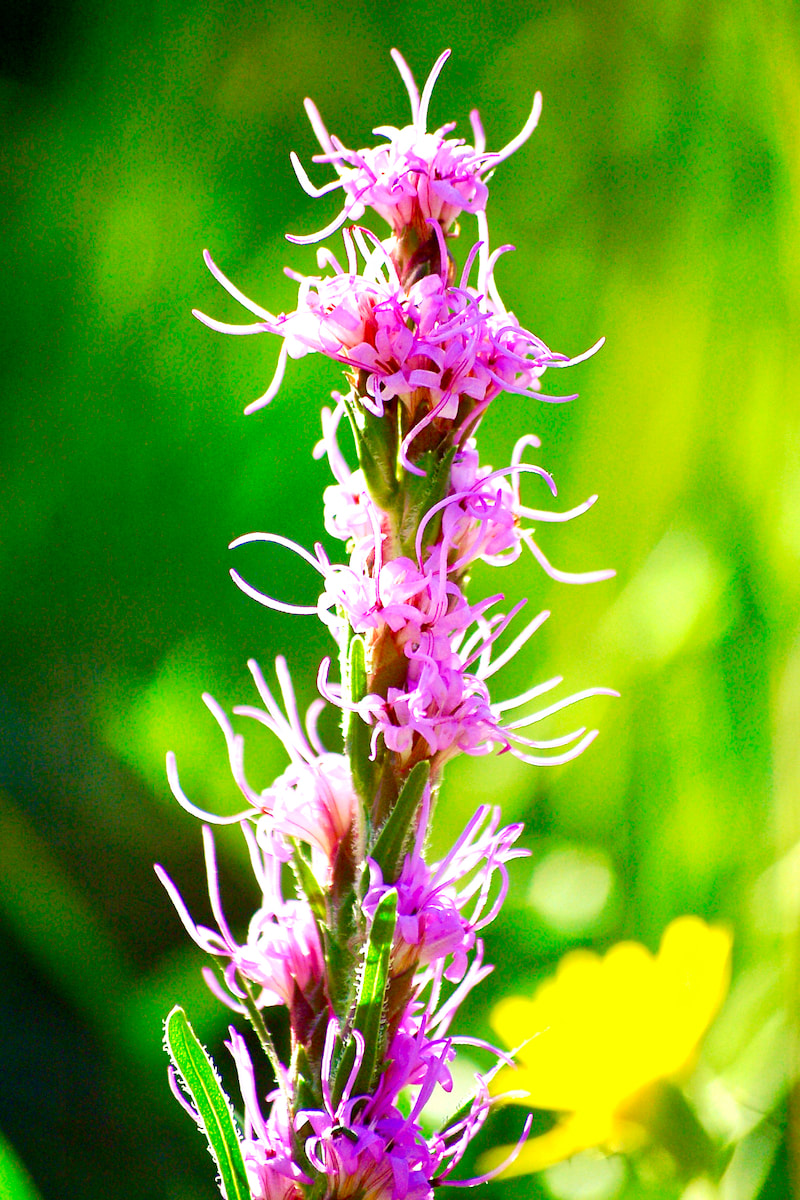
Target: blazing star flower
x,y
481,517
445,350
416,614
312,800
431,921
281,955
267,1149
362,1145
441,701
374,950
450,710
415,176
594,1039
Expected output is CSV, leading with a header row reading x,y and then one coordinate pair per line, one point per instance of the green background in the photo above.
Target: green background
x,y
656,204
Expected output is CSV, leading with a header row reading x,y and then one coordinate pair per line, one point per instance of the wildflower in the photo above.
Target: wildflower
x,y
362,1145
443,708
312,800
481,516
445,352
414,176
431,922
281,954
267,1146
375,949
594,1039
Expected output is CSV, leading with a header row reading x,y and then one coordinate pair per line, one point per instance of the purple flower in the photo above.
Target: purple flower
x,y
444,351
267,1146
362,1145
431,900
372,972
281,956
414,176
312,800
448,706
418,615
481,516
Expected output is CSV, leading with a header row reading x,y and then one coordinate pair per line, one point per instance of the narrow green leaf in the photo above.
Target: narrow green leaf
x,y
357,732
307,883
198,1075
398,827
368,1016
376,447
375,975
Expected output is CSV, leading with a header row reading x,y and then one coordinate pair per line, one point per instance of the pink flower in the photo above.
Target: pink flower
x,y
313,799
436,347
281,955
425,352
364,1146
267,1146
431,900
414,176
445,703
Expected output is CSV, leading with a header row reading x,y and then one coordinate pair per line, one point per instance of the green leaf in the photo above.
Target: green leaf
x,y
357,732
368,1016
375,976
398,827
200,1079
376,447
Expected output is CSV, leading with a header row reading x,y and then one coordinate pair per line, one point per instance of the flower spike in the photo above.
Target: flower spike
x,y
369,947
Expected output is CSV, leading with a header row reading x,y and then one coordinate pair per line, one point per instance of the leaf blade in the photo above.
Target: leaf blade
x,y
397,829
368,1015
199,1077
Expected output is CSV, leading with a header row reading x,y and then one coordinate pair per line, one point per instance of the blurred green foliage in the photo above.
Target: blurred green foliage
x,y
656,204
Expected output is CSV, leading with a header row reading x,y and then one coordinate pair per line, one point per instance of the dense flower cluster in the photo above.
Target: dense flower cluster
x,y
415,176
375,948
451,349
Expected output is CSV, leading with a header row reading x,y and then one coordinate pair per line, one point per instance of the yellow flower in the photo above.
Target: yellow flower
x,y
603,1031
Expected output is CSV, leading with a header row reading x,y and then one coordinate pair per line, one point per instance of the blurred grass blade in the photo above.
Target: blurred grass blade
x,y
60,930
15,1182
200,1079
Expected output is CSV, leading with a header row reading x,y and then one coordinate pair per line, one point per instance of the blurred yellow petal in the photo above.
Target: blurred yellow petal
x,y
604,1028
513,1019
695,961
565,1139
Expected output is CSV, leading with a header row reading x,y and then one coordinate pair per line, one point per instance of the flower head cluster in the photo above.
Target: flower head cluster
x,y
440,911
413,176
443,351
413,612
373,949
362,1146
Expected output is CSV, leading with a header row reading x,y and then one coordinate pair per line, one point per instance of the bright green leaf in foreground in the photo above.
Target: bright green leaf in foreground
x,y
198,1076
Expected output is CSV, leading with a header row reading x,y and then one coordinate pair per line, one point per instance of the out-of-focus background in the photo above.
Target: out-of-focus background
x,y
657,204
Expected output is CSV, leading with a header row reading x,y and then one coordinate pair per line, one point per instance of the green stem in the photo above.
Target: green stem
x,y
262,1033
